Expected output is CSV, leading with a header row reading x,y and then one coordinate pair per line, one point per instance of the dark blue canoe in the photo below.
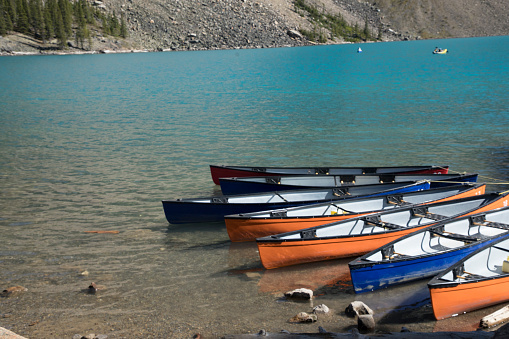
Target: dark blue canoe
x,y
214,208
248,185
427,252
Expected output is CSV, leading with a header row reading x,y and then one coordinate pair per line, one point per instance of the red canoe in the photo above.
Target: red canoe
x,y
248,171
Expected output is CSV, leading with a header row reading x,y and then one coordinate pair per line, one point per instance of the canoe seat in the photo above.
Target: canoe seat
x,y
340,192
460,273
342,209
347,179
219,200
273,180
322,171
396,200
376,221
278,214
422,212
387,178
308,234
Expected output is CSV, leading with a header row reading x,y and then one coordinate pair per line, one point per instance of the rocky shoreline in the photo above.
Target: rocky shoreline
x,y
155,25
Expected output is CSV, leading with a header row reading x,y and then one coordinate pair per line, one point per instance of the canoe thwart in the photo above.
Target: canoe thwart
x,y
455,236
480,220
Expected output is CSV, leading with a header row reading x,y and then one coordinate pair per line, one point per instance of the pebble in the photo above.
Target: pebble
x,y
13,290
304,317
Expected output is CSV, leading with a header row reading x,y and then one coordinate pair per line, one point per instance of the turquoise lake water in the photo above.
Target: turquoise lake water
x,y
95,142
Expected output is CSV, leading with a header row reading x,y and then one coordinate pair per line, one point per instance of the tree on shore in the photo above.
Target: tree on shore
x,y
58,19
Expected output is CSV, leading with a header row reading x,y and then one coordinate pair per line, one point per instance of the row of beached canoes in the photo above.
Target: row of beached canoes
x,y
404,225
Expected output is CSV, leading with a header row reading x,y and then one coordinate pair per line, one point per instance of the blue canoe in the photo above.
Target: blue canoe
x,y
214,208
248,185
427,252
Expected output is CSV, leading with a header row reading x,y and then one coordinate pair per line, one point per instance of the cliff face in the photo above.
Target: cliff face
x,y
221,24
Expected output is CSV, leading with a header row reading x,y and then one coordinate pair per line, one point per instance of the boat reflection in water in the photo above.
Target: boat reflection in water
x,y
243,259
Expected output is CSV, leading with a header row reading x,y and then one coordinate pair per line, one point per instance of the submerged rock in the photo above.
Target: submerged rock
x,y
93,287
13,290
304,317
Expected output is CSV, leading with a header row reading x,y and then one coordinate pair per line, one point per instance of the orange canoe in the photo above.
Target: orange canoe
x,y
479,280
356,236
249,226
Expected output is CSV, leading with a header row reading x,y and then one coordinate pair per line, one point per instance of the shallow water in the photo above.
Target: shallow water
x,y
95,142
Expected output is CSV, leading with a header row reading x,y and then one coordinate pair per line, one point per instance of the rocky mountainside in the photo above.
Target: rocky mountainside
x,y
228,24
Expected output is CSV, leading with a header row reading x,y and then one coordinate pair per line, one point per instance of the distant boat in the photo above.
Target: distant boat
x,y
359,50
479,280
427,252
285,183
249,226
211,209
255,171
357,236
440,50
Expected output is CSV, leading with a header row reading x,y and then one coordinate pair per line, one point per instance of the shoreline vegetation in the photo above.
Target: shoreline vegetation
x,y
35,27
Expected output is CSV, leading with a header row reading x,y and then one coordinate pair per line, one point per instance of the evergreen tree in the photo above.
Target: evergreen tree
x,y
37,21
82,31
105,24
123,26
10,9
66,12
114,25
3,26
22,19
49,30
365,31
60,31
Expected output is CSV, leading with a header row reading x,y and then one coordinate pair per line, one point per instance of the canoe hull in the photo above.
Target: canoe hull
x,y
369,278
274,255
245,171
191,211
248,229
450,301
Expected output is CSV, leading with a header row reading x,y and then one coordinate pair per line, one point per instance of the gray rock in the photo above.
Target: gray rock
x,y
300,293
357,308
321,309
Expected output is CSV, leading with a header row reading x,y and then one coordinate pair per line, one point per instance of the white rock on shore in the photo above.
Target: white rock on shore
x,y
6,334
